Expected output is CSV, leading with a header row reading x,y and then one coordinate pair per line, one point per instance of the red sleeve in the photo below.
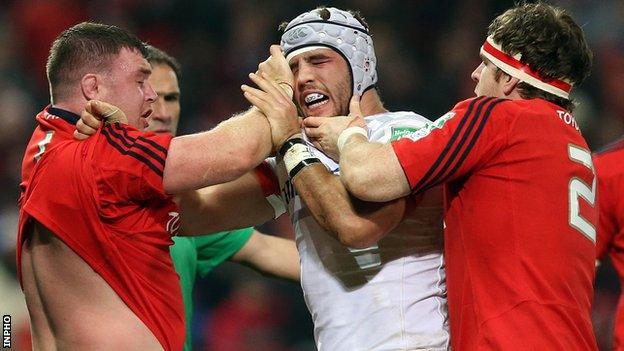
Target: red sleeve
x,y
267,179
455,144
607,208
129,164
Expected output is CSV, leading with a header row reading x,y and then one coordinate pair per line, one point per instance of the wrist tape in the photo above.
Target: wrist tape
x,y
296,155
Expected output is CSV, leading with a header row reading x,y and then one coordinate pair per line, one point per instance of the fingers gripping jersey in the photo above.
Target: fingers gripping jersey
x,y
520,216
103,197
390,296
609,164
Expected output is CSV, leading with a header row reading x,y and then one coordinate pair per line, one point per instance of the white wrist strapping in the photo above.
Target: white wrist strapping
x,y
295,155
347,133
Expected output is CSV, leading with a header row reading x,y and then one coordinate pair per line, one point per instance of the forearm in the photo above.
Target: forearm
x,y
371,171
232,205
353,222
270,255
222,154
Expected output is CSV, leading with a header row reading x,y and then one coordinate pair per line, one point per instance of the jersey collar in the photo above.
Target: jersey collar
x,y
69,117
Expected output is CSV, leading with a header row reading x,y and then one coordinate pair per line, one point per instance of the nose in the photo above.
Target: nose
x,y
150,94
476,74
160,110
305,74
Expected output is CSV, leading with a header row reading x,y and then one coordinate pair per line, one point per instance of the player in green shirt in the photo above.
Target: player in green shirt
x,y
198,255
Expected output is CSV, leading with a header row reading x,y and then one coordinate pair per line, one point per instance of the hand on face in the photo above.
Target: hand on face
x,y
276,105
324,131
276,67
91,118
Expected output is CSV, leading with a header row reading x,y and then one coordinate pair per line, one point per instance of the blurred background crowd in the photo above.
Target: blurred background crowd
x,y
426,51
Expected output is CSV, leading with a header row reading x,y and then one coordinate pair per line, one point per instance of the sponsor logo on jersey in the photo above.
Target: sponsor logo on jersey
x,y
426,130
397,133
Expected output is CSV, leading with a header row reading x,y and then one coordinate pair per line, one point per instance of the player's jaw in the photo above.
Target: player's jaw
x,y
321,103
315,101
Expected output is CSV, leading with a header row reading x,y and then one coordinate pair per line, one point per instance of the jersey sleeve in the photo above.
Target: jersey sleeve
x,y
455,144
607,204
129,164
215,248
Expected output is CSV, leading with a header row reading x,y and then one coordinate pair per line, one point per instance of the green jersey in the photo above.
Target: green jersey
x,y
194,255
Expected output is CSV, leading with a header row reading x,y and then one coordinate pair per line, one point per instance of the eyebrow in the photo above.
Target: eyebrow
x,y
316,57
145,70
319,56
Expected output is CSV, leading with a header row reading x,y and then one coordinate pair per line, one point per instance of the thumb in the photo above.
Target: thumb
x,y
106,111
354,106
276,51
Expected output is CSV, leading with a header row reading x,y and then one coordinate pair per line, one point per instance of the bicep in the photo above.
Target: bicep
x,y
198,160
372,172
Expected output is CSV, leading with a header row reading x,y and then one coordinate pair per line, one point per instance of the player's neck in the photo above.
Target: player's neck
x,y
73,106
371,103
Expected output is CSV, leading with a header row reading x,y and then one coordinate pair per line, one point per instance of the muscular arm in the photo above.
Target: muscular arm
x,y
371,171
222,154
236,204
354,222
270,255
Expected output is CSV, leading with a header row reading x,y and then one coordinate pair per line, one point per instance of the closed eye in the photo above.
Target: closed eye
x,y
171,97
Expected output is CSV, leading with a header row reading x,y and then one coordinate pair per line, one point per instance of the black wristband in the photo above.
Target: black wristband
x,y
288,144
301,165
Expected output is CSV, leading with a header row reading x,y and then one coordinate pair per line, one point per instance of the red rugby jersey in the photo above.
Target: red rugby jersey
x,y
519,238
609,164
105,199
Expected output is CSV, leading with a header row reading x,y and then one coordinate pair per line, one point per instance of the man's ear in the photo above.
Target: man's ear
x,y
509,84
89,85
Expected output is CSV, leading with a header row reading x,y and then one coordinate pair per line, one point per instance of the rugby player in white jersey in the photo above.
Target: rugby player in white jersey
x,y
372,274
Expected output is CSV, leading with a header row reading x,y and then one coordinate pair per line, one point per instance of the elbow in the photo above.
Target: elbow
x,y
354,180
171,185
358,236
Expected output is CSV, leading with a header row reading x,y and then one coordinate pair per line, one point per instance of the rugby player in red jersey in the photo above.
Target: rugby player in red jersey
x,y
96,217
610,230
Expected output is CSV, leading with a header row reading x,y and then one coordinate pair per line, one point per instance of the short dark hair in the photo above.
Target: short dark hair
x,y
157,56
324,13
85,47
550,42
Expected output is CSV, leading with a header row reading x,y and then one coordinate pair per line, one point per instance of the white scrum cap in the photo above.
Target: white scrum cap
x,y
341,32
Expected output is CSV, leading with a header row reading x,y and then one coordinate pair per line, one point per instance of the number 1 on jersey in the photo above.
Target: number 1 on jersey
x,y
578,188
42,144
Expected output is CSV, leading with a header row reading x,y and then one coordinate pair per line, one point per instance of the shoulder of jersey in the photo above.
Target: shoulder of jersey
x,y
390,126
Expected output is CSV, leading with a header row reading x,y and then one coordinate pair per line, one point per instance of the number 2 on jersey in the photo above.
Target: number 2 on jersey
x,y
578,188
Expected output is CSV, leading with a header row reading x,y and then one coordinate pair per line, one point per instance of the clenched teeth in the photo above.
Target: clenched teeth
x,y
314,98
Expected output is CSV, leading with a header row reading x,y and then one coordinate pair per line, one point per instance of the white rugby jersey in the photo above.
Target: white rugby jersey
x,y
391,296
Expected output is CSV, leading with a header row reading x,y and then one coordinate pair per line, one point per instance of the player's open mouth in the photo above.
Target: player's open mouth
x,y
147,113
314,100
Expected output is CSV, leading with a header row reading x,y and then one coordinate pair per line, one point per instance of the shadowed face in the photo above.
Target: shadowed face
x,y
487,82
166,113
322,83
